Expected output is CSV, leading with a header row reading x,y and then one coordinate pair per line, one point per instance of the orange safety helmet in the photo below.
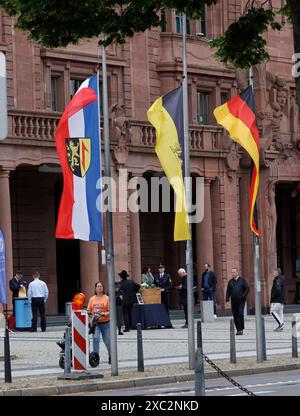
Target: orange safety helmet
x,y
78,301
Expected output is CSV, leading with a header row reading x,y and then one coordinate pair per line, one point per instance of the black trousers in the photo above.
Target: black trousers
x,y
127,314
185,312
238,314
38,304
165,300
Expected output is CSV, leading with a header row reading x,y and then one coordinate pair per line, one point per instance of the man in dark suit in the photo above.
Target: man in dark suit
x,y
128,290
163,280
208,284
237,290
15,284
182,287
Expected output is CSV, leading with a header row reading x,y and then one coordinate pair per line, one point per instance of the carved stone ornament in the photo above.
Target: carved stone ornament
x,y
232,160
271,225
120,134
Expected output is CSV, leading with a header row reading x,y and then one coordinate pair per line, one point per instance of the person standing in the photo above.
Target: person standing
x,y
98,306
129,289
237,291
277,299
163,280
15,284
37,296
147,277
119,308
182,287
208,284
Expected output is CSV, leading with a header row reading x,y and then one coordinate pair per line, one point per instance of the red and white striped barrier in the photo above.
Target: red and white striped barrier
x,y
80,339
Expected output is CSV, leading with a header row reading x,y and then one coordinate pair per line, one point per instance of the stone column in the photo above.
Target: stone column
x,y
5,225
204,234
135,243
89,267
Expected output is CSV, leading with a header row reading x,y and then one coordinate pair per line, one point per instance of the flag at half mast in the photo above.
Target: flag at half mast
x,y
166,115
77,141
237,116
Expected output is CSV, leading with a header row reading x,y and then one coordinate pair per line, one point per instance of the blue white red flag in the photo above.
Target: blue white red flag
x,y
2,270
78,144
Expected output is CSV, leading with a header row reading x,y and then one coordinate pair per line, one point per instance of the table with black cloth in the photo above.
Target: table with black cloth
x,y
150,315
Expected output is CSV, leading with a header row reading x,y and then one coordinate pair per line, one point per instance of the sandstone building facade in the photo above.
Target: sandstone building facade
x,y
41,82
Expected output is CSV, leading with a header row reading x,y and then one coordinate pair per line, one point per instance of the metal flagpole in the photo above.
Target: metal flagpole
x,y
109,227
258,315
189,247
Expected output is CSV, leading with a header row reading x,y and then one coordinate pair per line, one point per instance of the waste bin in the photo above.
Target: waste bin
x,y
23,314
68,310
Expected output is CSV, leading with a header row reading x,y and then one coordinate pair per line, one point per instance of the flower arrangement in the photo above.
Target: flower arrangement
x,y
147,286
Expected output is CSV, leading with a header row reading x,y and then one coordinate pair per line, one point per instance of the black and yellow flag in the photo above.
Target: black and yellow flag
x,y
166,115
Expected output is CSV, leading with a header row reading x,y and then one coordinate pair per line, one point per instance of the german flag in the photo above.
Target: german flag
x,y
166,115
237,116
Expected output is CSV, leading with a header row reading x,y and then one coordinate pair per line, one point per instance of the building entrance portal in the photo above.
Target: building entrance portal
x,y
288,237
67,262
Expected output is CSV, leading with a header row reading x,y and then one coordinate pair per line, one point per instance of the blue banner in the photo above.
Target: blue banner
x,y
2,269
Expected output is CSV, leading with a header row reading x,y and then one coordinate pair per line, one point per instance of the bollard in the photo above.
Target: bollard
x,y
199,335
140,354
7,365
67,367
294,338
264,339
232,343
199,373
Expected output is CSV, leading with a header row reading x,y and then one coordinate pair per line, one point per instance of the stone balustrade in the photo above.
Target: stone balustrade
x,y
32,125
36,125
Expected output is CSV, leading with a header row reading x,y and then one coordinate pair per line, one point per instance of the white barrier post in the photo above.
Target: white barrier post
x,y
80,339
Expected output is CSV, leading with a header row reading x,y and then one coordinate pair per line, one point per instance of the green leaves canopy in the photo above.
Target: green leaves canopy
x,y
54,23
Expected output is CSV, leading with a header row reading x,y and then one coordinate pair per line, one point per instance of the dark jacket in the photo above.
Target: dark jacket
x,y
15,285
212,281
129,288
237,290
163,282
183,291
277,291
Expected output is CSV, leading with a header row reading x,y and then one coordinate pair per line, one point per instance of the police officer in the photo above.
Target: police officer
x,y
15,284
163,280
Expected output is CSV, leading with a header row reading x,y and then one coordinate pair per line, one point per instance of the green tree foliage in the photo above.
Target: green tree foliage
x,y
56,23
250,48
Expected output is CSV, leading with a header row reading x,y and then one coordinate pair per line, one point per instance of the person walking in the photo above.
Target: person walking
x,y
15,284
277,299
129,289
37,295
208,284
163,280
237,291
182,287
98,306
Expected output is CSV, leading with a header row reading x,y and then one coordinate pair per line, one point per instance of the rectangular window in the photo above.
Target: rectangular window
x,y
74,85
163,18
202,107
179,24
202,22
57,92
224,96
54,103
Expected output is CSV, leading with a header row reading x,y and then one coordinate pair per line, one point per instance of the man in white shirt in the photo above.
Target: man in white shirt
x,y
37,296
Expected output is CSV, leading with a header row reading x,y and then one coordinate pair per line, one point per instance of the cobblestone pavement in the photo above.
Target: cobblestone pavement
x,y
35,355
